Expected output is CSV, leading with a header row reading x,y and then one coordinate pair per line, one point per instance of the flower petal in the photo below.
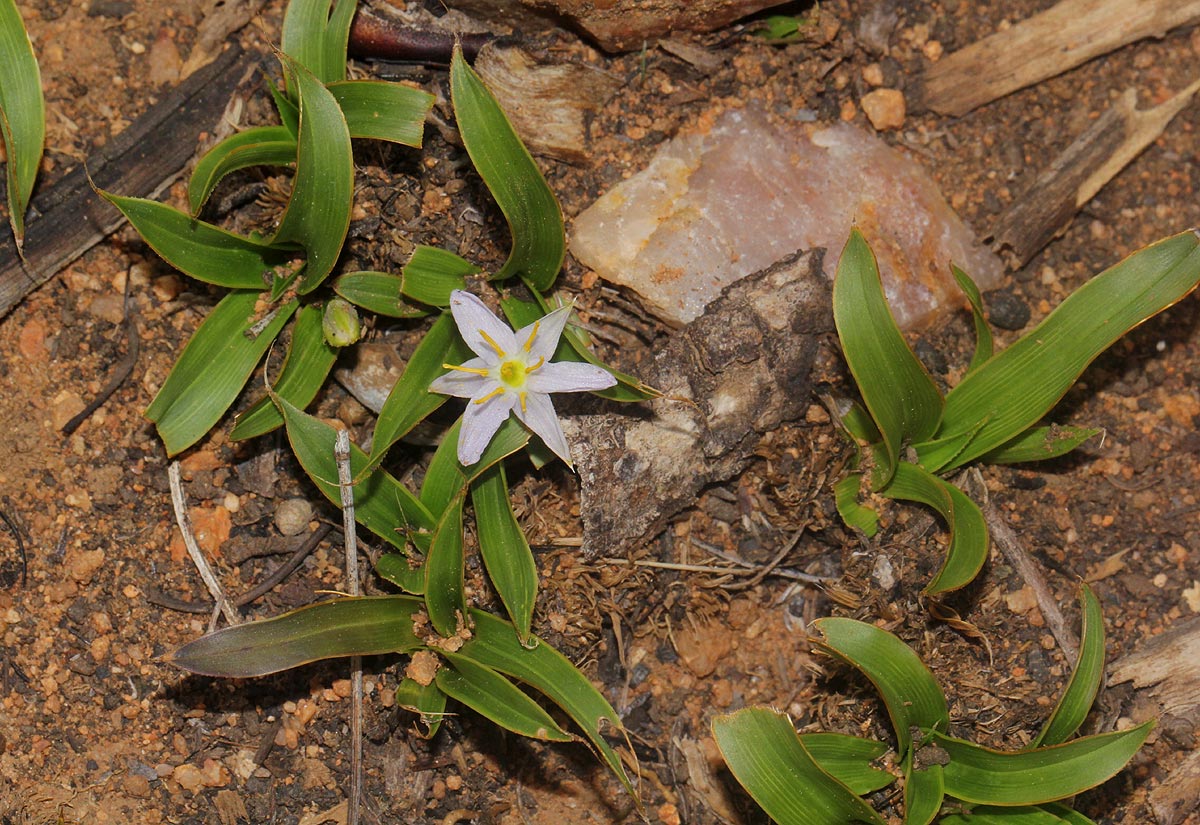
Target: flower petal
x,y
569,376
475,321
540,417
549,330
465,384
479,424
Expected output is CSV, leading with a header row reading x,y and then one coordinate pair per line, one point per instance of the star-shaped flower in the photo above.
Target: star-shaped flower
x,y
512,373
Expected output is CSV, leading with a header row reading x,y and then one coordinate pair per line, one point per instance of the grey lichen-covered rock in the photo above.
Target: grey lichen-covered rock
x,y
736,372
738,192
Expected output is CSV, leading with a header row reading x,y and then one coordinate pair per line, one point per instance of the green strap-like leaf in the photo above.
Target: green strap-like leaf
x,y
933,455
381,503
211,371
848,759
771,762
380,110
968,530
496,645
901,397
910,693
534,219
503,547
403,571
1021,815
427,701
308,362
410,400
857,516
1076,701
978,774
445,598
1018,386
431,274
200,250
491,695
318,212
22,114
317,39
257,146
923,794
572,347
446,478
1039,444
340,627
983,333
377,292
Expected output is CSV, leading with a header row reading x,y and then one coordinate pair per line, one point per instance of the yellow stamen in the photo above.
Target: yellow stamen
x,y
532,335
535,366
472,370
492,343
522,397
490,395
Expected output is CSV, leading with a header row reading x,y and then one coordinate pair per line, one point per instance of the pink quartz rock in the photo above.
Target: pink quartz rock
x,y
732,198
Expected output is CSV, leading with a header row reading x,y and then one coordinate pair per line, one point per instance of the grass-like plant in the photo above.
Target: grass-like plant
x,y
822,778
22,114
911,437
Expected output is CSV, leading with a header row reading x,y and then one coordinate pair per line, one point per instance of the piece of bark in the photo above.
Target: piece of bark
x,y
1092,160
218,20
1060,38
546,103
736,372
1165,670
140,161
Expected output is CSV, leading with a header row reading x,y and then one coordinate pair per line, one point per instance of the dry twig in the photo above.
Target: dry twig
x,y
341,453
189,541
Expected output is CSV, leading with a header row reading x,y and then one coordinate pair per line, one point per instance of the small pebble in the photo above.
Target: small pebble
x,y
885,108
292,516
1006,310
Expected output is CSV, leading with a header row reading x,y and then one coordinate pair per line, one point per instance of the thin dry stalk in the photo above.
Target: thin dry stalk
x,y
189,541
341,452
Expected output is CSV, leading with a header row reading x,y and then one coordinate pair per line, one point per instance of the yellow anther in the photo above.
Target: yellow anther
x,y
490,395
535,366
492,343
532,335
460,368
522,397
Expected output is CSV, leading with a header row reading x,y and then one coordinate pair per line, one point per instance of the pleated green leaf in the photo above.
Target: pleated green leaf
x,y
410,400
317,216
1016,387
969,539
200,250
1039,444
317,39
534,219
431,274
447,478
307,365
983,333
256,146
503,547
898,392
494,697
445,598
377,292
381,503
380,110
923,795
22,114
573,347
985,776
497,646
1076,702
340,627
427,701
213,368
772,763
848,759
910,693
403,571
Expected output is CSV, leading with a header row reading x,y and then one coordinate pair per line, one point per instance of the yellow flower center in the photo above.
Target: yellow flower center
x,y
512,373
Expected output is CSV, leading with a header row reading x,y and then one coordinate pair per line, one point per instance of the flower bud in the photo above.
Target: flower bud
x,y
340,323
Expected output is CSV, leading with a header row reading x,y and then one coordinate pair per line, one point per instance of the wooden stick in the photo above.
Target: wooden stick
x,y
341,453
189,541
1092,160
1060,38
69,218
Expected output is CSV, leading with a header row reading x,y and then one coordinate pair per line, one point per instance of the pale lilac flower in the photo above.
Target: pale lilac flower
x,y
512,373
